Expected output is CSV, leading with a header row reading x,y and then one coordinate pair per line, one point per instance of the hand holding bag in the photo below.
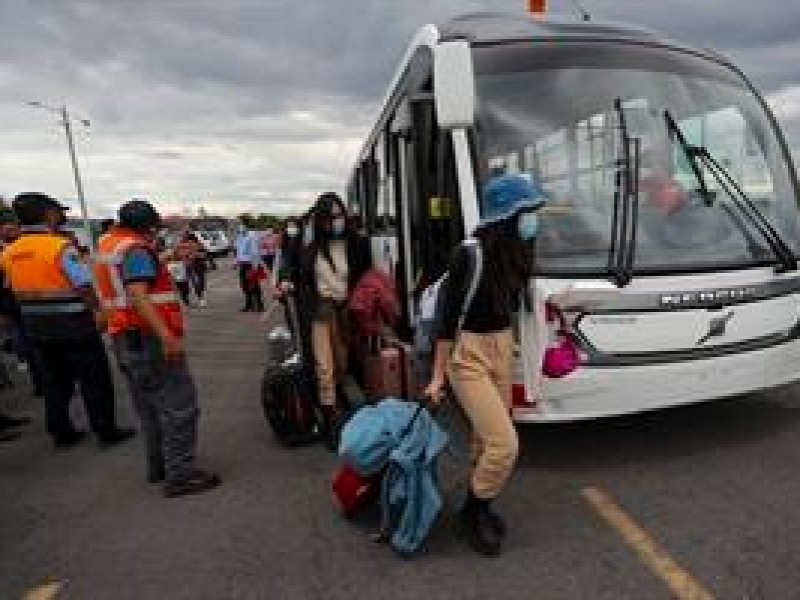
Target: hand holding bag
x,y
561,357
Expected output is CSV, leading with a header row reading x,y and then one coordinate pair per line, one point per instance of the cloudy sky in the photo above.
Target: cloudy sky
x,y
260,104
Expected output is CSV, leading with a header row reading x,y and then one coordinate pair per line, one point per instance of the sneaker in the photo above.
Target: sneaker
x,y
202,303
66,441
116,436
199,482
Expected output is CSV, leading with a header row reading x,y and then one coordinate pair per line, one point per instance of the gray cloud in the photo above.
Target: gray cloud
x,y
246,103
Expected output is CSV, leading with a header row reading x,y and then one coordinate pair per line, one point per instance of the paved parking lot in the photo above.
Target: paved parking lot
x,y
709,495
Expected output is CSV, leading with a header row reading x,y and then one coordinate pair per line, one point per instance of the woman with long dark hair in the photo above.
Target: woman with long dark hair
x,y
479,366
332,264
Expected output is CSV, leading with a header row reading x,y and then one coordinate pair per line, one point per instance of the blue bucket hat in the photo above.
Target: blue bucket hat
x,y
506,195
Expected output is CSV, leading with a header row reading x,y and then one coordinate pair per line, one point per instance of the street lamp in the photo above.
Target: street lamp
x,y
66,121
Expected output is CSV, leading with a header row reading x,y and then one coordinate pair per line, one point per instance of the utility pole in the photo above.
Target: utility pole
x,y
66,122
76,173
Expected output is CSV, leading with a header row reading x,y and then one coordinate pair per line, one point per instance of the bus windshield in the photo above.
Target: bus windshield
x,y
549,110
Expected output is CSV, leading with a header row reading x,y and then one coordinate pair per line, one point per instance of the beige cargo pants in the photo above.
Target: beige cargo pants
x,y
329,341
480,373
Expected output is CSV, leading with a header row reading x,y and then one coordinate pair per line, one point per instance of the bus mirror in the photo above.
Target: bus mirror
x,y
454,85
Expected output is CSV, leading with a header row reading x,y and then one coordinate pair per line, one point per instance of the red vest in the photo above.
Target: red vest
x,y
108,271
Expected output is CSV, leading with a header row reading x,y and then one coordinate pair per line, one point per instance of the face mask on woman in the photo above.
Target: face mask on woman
x,y
291,231
338,226
528,226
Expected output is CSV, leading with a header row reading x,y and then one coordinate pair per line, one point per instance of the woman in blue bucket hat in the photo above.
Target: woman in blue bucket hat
x,y
478,364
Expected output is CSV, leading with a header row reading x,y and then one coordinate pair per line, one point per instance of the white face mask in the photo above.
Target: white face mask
x,y
528,226
339,225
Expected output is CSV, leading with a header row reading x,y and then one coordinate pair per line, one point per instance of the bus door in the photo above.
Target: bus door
x,y
434,215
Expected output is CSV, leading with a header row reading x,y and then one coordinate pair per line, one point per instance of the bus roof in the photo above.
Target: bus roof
x,y
489,27
495,27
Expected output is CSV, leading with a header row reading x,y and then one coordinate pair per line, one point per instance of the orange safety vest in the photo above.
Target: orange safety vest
x,y
112,249
32,265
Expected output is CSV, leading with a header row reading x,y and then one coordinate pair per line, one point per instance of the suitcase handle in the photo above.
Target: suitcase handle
x,y
294,323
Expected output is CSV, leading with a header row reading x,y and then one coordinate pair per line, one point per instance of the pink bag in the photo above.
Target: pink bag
x,y
562,357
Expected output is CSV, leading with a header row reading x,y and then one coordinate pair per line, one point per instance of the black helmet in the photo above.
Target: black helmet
x,y
139,215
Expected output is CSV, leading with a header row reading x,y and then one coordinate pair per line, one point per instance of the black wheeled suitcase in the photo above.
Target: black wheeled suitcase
x,y
289,396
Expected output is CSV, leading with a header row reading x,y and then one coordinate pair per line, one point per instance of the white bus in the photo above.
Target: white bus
x,y
672,230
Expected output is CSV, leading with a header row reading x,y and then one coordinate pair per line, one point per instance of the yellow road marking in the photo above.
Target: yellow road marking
x,y
47,591
680,581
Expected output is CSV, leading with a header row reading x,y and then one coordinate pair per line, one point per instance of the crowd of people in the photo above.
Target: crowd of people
x,y
61,306
324,257
63,309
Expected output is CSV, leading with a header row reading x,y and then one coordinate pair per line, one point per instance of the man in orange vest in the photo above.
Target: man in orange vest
x,y
146,324
60,313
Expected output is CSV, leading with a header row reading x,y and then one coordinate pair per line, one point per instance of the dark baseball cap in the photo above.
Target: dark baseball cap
x,y
31,207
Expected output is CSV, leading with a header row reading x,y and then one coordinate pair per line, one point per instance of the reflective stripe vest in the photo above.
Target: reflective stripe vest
x,y
112,249
32,265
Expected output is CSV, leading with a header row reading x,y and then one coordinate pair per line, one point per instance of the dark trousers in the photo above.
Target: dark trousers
x,y
184,290
253,299
165,398
65,362
26,352
197,275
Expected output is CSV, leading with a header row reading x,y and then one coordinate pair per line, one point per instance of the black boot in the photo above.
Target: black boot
x,y
68,439
197,483
155,474
116,436
330,428
9,435
497,521
480,528
9,422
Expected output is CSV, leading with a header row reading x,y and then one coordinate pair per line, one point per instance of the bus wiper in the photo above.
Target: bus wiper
x,y
626,206
694,155
691,154
748,208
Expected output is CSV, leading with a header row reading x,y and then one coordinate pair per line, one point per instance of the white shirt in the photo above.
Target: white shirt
x,y
333,284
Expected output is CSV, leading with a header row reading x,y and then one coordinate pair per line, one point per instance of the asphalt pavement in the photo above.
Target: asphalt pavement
x,y
714,487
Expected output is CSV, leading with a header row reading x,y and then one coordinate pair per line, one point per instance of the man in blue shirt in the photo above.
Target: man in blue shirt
x,y
248,258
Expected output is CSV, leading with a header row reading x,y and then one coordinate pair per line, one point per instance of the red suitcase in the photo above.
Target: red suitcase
x,y
389,371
